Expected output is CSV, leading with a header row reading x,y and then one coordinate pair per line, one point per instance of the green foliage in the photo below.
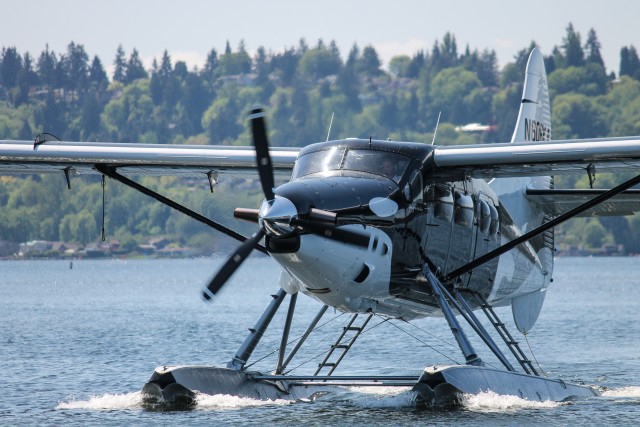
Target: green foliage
x,y
302,88
579,116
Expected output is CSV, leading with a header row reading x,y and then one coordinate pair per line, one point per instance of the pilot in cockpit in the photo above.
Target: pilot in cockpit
x,y
389,169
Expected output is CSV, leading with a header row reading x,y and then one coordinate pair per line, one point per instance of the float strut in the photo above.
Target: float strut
x,y
285,332
467,349
250,343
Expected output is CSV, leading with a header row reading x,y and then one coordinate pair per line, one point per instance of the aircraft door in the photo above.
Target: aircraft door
x,y
411,223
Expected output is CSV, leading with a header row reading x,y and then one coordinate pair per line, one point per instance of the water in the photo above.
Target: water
x,y
76,346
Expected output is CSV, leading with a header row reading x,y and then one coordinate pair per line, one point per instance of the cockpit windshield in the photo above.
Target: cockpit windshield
x,y
326,162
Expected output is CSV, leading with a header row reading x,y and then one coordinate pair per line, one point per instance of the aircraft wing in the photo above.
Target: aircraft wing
x,y
555,202
537,158
25,157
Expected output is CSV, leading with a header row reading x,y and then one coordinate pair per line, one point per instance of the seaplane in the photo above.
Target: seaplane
x,y
397,230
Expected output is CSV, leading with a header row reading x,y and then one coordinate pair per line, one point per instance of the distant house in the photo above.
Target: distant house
x,y
8,248
146,249
35,247
176,252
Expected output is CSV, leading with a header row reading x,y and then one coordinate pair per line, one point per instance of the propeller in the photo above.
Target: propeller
x,y
263,159
231,265
318,221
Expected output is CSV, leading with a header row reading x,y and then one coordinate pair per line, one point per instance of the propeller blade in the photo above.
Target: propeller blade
x,y
349,237
231,265
263,159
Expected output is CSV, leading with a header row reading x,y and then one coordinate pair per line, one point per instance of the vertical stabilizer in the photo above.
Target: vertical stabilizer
x,y
533,124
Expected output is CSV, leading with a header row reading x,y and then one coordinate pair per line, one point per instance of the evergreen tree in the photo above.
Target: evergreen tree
x,y
592,48
629,62
211,65
285,65
572,47
11,67
26,80
120,65
97,75
46,67
90,116
369,63
134,70
449,51
75,65
417,63
347,81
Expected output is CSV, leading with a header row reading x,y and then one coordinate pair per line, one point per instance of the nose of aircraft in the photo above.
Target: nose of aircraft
x,y
276,216
337,193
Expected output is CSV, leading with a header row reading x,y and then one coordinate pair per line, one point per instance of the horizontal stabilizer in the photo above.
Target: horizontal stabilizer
x,y
555,202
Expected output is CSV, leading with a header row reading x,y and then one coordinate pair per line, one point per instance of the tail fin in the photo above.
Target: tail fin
x,y
534,119
534,124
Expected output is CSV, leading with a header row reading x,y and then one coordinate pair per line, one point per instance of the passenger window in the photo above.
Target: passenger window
x,y
463,213
443,208
484,217
495,223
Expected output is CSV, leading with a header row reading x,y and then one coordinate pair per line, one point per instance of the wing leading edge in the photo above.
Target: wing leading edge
x,y
22,157
538,158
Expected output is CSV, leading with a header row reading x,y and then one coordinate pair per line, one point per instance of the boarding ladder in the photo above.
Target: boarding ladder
x,y
506,336
339,349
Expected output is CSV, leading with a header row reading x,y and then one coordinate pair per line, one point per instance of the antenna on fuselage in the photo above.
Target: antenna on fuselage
x,y
330,123
435,132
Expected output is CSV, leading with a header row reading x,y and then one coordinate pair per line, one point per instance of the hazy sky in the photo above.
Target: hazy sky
x,y
189,29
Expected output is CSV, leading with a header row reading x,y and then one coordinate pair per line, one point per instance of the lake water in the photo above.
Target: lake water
x,y
76,346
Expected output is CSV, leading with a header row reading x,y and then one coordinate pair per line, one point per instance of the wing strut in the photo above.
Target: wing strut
x,y
111,172
539,230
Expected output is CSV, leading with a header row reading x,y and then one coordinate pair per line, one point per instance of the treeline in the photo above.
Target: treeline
x,y
302,87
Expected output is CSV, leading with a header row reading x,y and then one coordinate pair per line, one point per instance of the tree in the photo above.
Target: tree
x,y
572,46
97,75
134,70
319,62
26,79
590,79
629,62
90,118
592,48
369,63
234,63
75,65
285,64
11,65
46,67
196,99
221,120
211,65
120,66
594,234
399,65
578,116
448,90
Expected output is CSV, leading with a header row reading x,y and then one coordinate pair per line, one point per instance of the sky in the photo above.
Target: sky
x,y
189,29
